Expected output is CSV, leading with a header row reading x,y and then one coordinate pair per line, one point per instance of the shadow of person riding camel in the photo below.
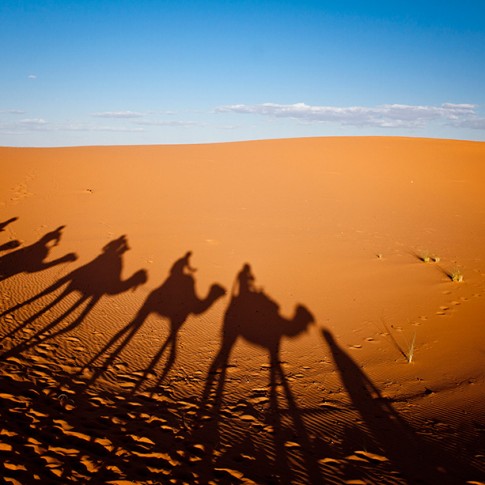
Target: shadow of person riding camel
x,y
101,276
175,299
31,259
256,318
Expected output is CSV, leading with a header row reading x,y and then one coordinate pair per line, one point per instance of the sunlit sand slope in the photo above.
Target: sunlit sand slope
x,y
286,311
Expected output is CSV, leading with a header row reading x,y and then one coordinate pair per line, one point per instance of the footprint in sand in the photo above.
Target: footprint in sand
x,y
442,311
20,191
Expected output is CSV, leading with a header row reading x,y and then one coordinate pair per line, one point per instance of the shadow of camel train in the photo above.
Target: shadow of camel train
x,y
101,276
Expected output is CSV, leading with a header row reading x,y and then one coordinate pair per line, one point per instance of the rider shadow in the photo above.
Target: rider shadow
x,y
31,259
255,317
174,300
101,276
418,460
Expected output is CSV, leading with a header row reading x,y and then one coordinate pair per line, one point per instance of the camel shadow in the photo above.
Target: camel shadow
x,y
101,276
255,317
175,299
419,461
31,259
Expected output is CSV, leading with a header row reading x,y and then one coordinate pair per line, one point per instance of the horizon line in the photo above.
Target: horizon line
x,y
253,140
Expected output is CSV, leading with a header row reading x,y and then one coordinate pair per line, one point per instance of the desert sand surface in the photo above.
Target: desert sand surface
x,y
260,312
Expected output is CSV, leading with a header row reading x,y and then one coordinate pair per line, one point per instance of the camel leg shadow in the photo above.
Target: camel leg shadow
x,y
170,341
43,335
299,428
40,312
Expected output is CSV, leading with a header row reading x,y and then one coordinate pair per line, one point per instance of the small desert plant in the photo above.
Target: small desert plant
x,y
410,353
427,257
456,275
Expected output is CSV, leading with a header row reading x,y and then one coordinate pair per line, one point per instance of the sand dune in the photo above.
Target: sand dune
x,y
261,312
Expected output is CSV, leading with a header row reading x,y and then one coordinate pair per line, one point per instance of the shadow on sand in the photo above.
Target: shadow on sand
x,y
31,259
12,244
175,299
101,276
122,418
255,317
418,461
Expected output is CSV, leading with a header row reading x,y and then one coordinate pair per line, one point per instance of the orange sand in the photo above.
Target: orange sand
x,y
114,366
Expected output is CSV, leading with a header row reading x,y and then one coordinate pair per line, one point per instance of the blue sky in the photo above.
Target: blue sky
x,y
90,72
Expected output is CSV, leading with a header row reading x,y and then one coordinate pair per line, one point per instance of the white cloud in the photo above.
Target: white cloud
x,y
33,122
173,123
474,123
12,111
32,76
93,128
129,122
384,116
39,124
144,118
119,114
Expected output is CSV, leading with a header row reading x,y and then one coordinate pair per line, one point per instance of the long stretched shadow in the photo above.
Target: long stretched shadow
x,y
31,259
10,244
175,299
418,460
255,317
101,276
4,224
